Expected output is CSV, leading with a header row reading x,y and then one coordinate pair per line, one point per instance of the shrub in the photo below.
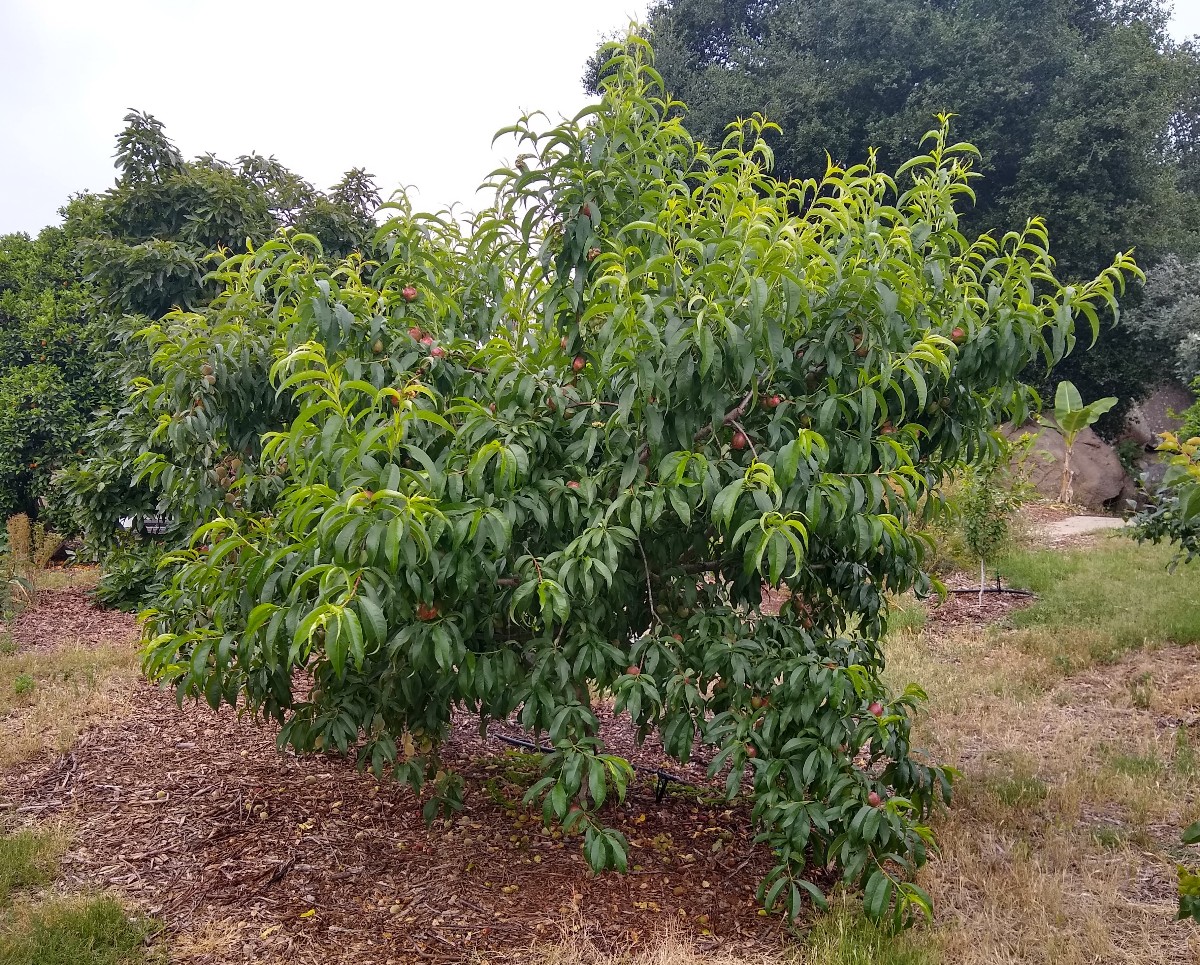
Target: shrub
x,y
561,455
130,575
991,494
1173,513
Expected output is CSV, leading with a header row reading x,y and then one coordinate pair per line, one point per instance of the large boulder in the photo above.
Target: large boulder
x,y
1155,414
1099,475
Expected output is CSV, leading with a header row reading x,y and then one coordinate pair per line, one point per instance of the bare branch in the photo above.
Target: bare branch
x,y
649,591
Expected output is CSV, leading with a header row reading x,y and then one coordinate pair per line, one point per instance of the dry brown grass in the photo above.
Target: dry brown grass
x,y
1074,787
47,698
67,577
667,948
223,941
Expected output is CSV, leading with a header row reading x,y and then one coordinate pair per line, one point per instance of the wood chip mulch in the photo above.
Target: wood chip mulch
x,y
64,618
196,817
1048,512
965,609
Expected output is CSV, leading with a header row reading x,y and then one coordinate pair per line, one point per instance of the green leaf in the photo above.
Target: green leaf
x,y
878,895
373,622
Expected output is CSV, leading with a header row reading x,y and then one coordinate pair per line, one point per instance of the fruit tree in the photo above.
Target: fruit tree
x,y
556,458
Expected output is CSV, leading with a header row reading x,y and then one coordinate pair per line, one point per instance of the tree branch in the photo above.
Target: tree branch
x,y
730,417
649,590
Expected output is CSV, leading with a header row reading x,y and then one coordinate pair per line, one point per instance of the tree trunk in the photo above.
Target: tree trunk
x,y
1065,492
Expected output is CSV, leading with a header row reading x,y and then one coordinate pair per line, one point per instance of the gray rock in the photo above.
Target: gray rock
x,y
1099,475
1153,415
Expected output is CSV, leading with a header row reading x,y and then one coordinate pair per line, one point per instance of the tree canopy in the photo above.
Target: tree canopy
x,y
147,248
50,346
500,471
1084,111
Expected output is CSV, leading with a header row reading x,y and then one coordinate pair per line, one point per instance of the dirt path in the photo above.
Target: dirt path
x,y
1073,526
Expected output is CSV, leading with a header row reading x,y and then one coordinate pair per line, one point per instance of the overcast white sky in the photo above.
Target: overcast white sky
x,y
412,91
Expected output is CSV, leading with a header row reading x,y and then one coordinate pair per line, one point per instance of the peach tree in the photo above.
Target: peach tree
x,y
573,452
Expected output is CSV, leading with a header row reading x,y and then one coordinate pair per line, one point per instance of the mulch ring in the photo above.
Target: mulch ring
x,y
69,617
195,817
965,609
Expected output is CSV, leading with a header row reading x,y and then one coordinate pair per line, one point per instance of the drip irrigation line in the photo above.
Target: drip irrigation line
x,y
660,789
992,589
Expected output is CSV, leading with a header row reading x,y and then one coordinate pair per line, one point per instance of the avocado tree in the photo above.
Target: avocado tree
x,y
147,247
555,458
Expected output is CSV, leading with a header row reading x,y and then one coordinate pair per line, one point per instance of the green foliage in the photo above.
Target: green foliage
x,y
1173,514
1070,418
148,239
148,245
1189,881
991,494
130,575
1085,113
48,366
1170,311
560,455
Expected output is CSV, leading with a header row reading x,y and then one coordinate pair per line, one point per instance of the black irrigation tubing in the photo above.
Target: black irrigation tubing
x,y
992,589
660,789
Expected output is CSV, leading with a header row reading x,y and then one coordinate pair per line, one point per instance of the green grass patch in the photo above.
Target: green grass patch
x,y
28,859
1098,603
1017,792
93,931
845,937
1136,765
1110,836
906,614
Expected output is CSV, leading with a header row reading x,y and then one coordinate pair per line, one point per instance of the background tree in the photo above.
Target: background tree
x,y
148,246
50,352
1084,111
1170,312
148,239
561,455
